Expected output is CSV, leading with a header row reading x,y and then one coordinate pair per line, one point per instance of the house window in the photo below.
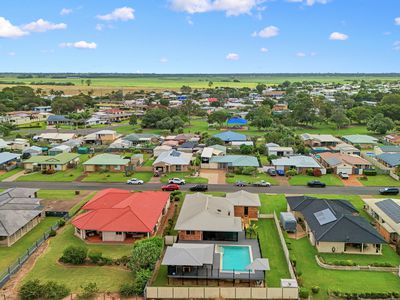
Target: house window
x,y
246,210
178,168
117,168
118,233
78,231
190,232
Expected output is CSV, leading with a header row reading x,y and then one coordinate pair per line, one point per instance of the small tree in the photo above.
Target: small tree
x,y
75,255
252,230
89,290
31,290
54,290
142,276
133,120
145,254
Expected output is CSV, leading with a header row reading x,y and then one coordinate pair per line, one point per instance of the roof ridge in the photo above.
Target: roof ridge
x,y
375,233
330,228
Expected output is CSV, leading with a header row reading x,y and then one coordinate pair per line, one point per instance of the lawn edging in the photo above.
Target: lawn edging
x,y
356,267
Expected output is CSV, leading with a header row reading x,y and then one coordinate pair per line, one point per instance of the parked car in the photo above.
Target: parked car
x,y
199,188
134,181
389,191
343,175
170,187
177,181
271,172
316,183
240,183
280,172
262,183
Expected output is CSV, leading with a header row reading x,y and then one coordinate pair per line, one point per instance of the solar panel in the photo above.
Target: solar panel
x,y
175,153
391,208
325,216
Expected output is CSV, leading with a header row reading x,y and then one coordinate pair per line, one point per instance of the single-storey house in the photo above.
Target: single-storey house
x,y
344,148
390,160
107,162
3,145
392,139
386,213
59,149
386,149
344,163
230,136
300,163
33,150
232,161
115,215
120,144
334,226
320,140
143,138
186,137
276,150
8,160
208,152
160,149
20,212
365,141
54,137
172,161
58,120
18,145
59,162
102,137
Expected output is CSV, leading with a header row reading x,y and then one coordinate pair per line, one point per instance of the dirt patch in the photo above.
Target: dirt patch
x,y
214,176
351,181
63,205
282,180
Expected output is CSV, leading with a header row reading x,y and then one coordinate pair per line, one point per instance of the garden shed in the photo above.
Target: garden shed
x,y
288,221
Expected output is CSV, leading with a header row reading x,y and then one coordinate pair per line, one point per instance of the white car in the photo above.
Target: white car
x,y
177,181
135,181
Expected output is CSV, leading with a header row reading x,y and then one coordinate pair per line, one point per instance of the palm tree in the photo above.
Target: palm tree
x,y
252,230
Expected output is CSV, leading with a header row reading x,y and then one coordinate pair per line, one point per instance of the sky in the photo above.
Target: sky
x,y
200,36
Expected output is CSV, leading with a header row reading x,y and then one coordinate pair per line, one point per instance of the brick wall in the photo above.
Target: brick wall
x,y
196,236
252,213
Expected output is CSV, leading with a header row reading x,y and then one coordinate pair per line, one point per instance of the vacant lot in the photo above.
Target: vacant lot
x,y
251,179
329,179
380,180
183,175
116,177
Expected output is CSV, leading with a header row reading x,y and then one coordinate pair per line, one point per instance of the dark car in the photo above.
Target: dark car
x,y
271,172
170,187
316,183
280,172
199,188
389,191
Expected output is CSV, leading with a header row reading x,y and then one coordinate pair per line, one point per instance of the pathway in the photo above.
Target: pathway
x,y
14,177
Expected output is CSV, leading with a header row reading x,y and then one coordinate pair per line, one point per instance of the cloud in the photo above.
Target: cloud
x,y
189,20
232,56
119,14
42,26
264,50
309,2
12,53
230,7
267,32
337,36
397,21
79,45
396,45
8,30
300,54
66,11
163,60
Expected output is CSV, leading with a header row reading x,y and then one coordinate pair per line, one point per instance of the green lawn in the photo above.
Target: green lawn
x,y
116,177
388,256
348,281
183,175
61,176
331,129
149,162
380,180
56,194
251,178
271,203
10,173
9,255
328,179
271,248
107,278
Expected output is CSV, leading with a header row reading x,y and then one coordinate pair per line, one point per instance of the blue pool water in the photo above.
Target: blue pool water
x,y
235,258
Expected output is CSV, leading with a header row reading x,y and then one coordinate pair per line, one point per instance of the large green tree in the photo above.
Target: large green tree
x,y
380,124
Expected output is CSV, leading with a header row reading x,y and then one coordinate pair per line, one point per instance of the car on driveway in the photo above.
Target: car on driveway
x,y
343,175
240,183
271,172
316,183
389,191
177,181
199,188
262,183
170,187
134,181
280,172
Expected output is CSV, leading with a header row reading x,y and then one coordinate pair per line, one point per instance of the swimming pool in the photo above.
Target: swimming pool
x,y
235,258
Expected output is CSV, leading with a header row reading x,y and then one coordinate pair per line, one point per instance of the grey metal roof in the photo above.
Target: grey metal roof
x,y
18,206
243,198
189,255
392,159
391,208
207,213
390,149
5,157
174,157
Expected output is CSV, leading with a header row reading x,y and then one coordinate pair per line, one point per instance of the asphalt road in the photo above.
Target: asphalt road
x,y
340,190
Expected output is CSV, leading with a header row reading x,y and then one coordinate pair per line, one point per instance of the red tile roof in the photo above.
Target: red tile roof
x,y
120,210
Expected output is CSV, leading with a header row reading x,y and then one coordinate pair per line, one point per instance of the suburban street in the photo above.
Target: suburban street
x,y
340,190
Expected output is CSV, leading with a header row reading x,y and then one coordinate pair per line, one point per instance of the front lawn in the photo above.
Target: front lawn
x,y
271,248
60,176
251,179
5,175
183,175
149,162
271,203
56,194
107,278
346,281
116,177
328,179
379,180
9,255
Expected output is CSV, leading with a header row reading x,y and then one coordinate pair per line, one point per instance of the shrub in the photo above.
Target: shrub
x,y
127,290
229,175
304,293
347,262
370,172
89,290
145,253
61,222
317,173
52,232
315,289
54,290
75,255
309,172
249,170
291,172
142,276
31,290
95,256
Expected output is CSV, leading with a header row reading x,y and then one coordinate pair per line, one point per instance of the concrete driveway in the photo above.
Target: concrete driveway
x,y
213,176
